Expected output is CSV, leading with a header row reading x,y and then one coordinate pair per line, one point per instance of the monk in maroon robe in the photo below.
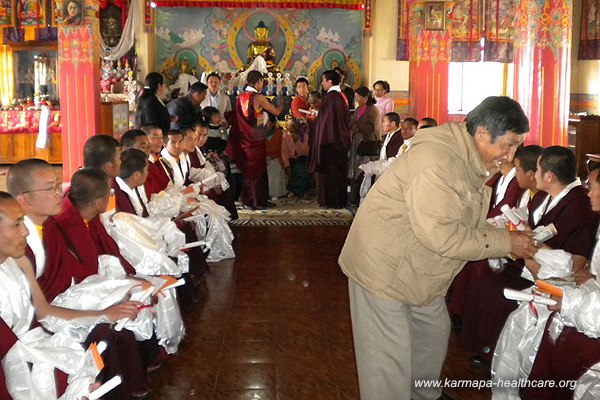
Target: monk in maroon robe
x,y
474,270
122,356
247,141
486,308
328,155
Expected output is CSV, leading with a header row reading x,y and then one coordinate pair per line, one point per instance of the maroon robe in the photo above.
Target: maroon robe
x,y
328,155
7,340
246,146
393,146
61,266
157,179
123,202
486,309
475,270
88,242
566,360
122,356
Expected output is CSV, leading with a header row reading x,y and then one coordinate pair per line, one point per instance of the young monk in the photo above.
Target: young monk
x,y
37,188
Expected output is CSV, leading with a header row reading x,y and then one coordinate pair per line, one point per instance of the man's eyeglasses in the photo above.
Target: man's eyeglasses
x,y
53,189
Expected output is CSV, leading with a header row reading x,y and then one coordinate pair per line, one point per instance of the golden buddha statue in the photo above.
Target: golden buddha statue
x,y
261,47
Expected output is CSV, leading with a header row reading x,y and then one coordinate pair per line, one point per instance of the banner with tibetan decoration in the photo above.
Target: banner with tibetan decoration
x,y
500,31
307,4
403,27
429,59
589,44
7,13
465,27
543,68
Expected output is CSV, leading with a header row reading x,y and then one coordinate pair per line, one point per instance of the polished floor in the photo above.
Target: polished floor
x,y
274,323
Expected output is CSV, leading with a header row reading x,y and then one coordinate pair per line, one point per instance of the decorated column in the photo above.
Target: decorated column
x,y
429,44
79,66
543,68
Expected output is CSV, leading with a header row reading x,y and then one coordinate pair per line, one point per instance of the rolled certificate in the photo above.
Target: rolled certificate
x,y
543,233
105,388
520,296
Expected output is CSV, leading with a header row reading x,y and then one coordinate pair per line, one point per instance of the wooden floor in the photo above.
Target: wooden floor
x,y
274,323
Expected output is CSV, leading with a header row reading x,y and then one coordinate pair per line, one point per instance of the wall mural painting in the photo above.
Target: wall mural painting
x,y
306,42
501,31
465,27
589,44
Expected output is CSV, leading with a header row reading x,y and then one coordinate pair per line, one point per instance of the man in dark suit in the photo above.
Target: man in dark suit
x,y
186,110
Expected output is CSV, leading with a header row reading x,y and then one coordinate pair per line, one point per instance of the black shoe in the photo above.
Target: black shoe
x,y
478,362
271,204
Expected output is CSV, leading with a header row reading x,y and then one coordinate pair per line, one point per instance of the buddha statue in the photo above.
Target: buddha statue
x,y
261,47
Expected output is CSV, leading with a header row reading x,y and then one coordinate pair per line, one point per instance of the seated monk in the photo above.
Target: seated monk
x,y
37,188
157,177
562,201
191,146
133,174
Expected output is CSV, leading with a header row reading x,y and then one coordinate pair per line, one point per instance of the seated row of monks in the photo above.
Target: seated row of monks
x,y
50,240
543,180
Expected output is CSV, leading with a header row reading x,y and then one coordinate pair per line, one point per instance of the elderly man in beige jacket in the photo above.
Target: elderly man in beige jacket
x,y
420,223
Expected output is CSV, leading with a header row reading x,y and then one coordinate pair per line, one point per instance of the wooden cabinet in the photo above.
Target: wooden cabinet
x,y
587,141
114,118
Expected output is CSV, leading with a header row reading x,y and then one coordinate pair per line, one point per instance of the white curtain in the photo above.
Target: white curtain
x,y
128,37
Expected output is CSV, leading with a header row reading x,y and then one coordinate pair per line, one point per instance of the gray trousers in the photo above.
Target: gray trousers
x,y
396,344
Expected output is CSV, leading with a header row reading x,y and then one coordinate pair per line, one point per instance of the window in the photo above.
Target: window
x,y
471,82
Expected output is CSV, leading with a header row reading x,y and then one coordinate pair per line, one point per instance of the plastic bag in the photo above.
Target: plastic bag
x,y
148,243
93,293
212,227
372,168
45,353
169,324
581,308
517,347
554,263
588,386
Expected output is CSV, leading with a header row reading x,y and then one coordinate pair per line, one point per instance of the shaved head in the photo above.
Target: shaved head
x,y
20,175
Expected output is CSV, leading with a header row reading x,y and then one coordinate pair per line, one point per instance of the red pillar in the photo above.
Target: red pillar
x,y
543,68
428,68
79,74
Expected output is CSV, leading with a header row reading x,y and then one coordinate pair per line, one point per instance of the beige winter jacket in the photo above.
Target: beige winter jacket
x,y
423,220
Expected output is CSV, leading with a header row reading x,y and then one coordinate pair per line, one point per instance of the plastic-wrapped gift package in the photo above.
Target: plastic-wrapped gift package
x,y
588,386
170,329
581,308
44,353
517,347
93,293
212,227
148,243
372,168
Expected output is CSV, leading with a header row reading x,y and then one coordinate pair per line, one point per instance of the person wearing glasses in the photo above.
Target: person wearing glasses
x,y
37,188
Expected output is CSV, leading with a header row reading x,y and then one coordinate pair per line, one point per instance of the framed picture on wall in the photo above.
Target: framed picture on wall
x,y
435,20
73,12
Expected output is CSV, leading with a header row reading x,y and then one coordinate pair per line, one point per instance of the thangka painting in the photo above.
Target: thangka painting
x,y
32,13
305,42
7,13
465,28
589,44
500,30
